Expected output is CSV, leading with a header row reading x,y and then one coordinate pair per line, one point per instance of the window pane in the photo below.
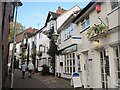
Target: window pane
x,y
118,64
87,21
101,61
114,5
103,85
73,62
70,55
83,25
73,69
117,52
67,62
101,55
102,77
119,79
65,69
102,70
73,55
70,62
70,69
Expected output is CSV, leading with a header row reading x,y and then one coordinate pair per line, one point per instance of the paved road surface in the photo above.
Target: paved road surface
x,y
27,82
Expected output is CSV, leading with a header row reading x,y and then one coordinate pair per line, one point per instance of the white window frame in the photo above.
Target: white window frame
x,y
69,68
116,63
68,32
85,22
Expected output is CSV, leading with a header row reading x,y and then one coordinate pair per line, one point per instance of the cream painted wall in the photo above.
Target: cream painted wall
x,y
44,40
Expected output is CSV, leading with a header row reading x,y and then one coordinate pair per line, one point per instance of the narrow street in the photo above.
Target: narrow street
x,y
66,44
27,82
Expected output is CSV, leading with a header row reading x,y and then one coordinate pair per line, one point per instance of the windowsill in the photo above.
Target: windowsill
x,y
79,70
67,73
84,29
113,10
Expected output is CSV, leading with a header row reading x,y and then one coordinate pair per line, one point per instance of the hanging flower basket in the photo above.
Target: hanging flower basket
x,y
96,30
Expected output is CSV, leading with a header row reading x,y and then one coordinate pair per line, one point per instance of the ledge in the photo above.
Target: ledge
x,y
67,73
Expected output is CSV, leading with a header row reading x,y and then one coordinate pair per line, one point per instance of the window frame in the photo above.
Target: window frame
x,y
68,32
117,47
84,22
114,3
69,68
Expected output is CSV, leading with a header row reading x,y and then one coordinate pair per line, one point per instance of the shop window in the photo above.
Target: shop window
x,y
69,63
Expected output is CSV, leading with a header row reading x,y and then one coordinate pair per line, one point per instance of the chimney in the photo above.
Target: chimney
x,y
60,10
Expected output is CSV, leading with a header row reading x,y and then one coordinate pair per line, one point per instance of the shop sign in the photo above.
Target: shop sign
x,y
70,49
76,80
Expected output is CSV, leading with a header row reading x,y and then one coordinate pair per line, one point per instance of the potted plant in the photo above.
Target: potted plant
x,y
99,28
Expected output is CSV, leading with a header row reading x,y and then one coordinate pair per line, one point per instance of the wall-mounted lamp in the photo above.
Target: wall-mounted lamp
x,y
96,42
55,35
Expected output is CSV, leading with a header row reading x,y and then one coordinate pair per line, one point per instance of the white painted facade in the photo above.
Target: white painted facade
x,y
42,45
68,43
64,16
91,59
92,68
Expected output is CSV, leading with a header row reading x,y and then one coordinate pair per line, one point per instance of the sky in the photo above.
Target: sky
x,y
34,14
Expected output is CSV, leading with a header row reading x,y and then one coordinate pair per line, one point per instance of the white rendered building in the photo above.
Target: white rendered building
x,y
100,54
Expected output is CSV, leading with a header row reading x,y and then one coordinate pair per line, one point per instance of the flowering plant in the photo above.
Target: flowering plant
x,y
96,29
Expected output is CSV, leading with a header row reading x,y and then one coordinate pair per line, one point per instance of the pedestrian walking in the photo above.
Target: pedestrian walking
x,y
23,67
30,69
